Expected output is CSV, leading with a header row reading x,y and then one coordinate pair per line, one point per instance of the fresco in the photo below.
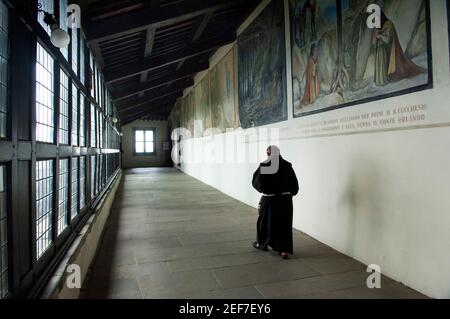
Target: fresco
x,y
202,113
222,90
338,61
189,112
175,115
262,69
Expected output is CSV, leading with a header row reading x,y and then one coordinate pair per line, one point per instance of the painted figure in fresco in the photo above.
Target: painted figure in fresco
x,y
300,18
311,5
300,27
391,63
312,87
274,225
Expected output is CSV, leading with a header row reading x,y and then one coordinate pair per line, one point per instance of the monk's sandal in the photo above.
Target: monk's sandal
x,y
258,246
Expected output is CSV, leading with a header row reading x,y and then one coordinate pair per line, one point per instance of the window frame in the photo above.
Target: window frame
x,y
41,258
7,58
32,257
68,102
9,250
134,130
60,232
54,98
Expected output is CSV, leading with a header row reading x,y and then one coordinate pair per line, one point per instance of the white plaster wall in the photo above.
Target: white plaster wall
x,y
382,197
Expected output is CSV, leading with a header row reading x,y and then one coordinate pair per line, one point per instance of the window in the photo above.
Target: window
x,y
92,75
82,120
74,208
44,205
4,285
63,175
144,141
98,185
82,182
96,81
93,127
106,133
97,84
47,6
63,23
82,59
74,46
103,170
107,105
64,108
63,194
107,166
93,166
100,85
100,130
44,96
74,115
3,68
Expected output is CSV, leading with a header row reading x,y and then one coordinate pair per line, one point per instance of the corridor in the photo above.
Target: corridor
x,y
171,236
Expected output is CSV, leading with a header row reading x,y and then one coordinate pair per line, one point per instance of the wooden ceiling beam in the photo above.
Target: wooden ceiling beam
x,y
140,20
149,112
156,100
132,69
150,107
200,28
187,71
157,93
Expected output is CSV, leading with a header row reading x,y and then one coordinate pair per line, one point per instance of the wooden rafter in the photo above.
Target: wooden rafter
x,y
187,71
157,93
140,20
154,101
132,69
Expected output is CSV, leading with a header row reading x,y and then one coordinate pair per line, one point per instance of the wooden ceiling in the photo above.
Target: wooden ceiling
x,y
150,50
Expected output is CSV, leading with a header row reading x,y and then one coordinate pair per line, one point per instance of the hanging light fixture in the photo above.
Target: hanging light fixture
x,y
58,36
114,119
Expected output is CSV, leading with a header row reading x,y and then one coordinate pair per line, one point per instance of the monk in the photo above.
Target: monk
x,y
312,88
391,63
276,180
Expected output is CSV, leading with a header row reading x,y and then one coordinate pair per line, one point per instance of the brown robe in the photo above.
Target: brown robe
x,y
312,88
274,225
399,66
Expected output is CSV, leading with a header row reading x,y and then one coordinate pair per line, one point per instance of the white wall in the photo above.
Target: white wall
x,y
381,196
130,160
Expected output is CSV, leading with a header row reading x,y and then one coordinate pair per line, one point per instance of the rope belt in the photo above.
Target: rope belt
x,y
271,195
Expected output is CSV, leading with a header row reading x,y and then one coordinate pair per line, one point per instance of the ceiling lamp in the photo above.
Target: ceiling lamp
x,y
114,119
58,36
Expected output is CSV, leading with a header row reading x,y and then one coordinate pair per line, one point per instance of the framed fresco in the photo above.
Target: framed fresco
x,y
189,108
183,113
262,69
338,61
201,102
175,115
222,91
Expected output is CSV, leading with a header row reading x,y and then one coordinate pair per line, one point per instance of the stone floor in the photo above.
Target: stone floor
x,y
171,236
